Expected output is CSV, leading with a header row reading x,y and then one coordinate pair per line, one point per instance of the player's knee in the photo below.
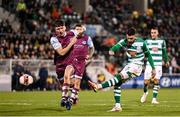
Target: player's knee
x,y
156,81
146,82
69,68
68,71
78,82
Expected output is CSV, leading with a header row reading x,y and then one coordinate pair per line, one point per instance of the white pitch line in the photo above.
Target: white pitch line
x,y
8,103
136,105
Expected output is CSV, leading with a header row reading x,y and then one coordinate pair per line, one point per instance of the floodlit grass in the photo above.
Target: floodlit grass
x,y
90,104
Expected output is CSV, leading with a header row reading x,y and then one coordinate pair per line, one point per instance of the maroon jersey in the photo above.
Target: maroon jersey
x,y
78,55
62,61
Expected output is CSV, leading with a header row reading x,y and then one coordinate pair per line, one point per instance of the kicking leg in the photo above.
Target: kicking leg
x,y
117,78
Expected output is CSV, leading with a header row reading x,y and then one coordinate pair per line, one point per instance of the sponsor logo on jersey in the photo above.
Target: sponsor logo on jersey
x,y
84,42
138,48
155,49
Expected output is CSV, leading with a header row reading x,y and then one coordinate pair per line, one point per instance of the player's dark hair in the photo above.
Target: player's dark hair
x,y
131,31
154,27
79,25
60,23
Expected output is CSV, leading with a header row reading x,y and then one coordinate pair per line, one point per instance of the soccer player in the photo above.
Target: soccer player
x,y
157,47
136,49
82,50
62,43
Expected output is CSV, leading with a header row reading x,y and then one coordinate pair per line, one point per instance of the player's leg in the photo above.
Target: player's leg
x,y
75,90
79,67
146,84
66,85
147,76
130,71
117,98
117,78
60,80
156,84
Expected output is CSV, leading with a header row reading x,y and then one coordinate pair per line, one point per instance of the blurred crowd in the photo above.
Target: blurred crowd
x,y
18,46
37,17
117,15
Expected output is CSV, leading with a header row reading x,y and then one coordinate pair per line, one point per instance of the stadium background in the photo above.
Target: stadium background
x,y
26,27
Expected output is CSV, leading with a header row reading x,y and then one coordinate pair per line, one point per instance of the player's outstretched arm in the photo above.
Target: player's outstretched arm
x,y
91,48
91,52
116,47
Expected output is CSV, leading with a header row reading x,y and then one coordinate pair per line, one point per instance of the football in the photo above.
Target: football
x,y
26,79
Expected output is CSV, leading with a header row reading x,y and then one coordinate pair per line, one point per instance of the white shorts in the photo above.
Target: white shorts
x,y
131,70
147,74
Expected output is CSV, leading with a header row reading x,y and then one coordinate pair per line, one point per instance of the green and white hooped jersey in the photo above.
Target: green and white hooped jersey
x,y
139,46
155,47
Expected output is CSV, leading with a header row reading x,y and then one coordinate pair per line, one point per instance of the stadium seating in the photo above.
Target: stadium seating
x,y
114,15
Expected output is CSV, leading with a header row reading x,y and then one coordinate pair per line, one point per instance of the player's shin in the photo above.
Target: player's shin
x,y
155,90
65,89
145,88
117,78
74,93
117,96
146,83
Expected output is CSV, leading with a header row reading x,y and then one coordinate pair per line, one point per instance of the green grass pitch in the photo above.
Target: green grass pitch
x,y
90,104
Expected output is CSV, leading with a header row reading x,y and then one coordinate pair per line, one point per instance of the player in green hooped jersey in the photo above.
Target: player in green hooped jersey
x,y
136,50
157,48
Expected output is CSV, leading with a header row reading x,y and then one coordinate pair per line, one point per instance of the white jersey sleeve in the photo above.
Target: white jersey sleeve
x,y
90,42
55,43
75,32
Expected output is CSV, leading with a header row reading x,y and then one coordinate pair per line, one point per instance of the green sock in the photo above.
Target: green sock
x,y
117,94
145,88
112,82
155,90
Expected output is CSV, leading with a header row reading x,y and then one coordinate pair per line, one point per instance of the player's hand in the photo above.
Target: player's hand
x,y
153,73
73,40
87,57
111,53
167,64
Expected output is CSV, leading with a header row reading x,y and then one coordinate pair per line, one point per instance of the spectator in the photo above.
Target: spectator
x,y
21,9
43,75
18,71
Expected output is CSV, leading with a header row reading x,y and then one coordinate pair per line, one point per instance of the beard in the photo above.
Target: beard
x,y
129,43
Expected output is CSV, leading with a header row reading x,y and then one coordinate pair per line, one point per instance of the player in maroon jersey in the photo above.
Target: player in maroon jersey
x,y
62,43
82,50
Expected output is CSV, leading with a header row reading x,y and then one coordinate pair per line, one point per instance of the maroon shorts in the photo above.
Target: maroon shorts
x,y
60,70
79,67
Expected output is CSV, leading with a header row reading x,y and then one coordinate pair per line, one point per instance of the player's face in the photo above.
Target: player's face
x,y
154,33
60,30
130,38
80,30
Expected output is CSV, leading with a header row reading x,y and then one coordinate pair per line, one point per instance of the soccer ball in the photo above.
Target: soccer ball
x,y
26,79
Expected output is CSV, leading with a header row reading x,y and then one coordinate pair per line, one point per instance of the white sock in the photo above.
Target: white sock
x,y
118,105
99,86
154,99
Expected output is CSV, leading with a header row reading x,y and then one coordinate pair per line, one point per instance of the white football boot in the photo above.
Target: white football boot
x,y
116,109
143,98
154,101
